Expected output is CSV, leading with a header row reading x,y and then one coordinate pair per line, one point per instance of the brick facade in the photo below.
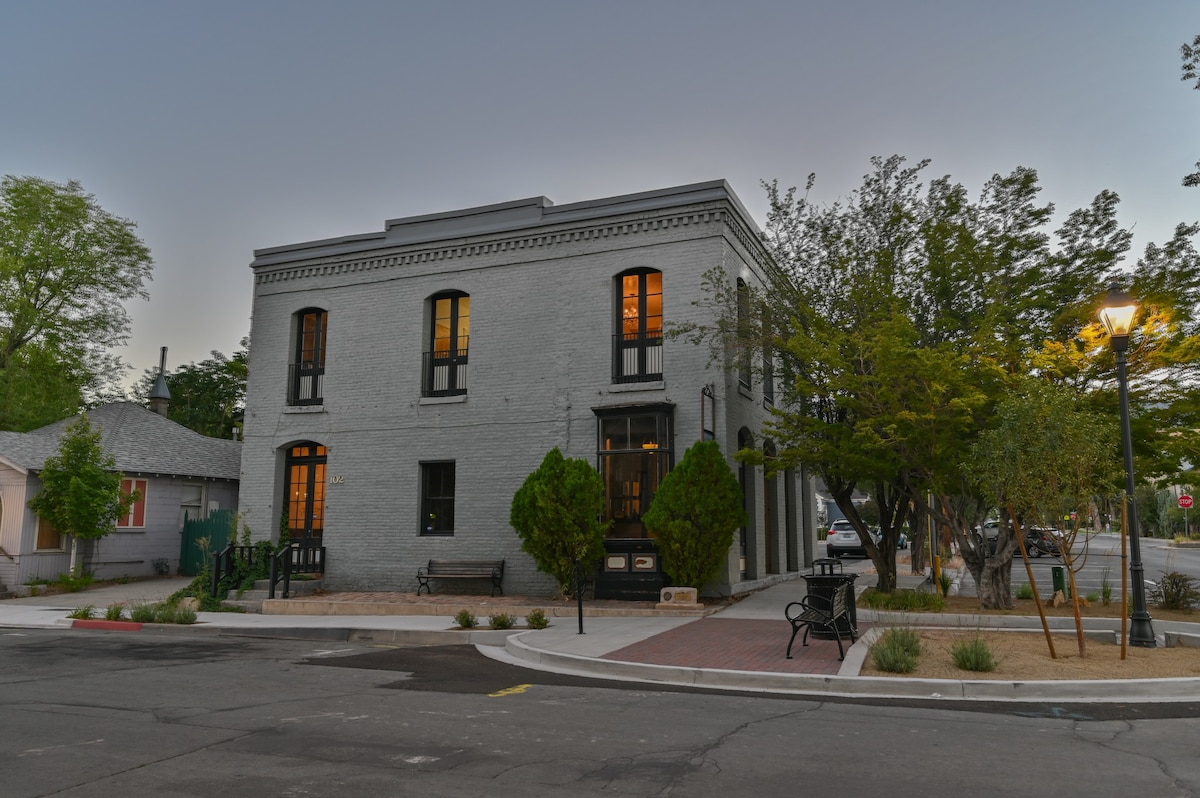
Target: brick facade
x,y
544,303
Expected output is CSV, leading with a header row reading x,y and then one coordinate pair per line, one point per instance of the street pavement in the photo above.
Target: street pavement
x,y
739,646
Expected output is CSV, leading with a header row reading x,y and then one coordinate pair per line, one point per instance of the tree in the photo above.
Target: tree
x,y
557,512
81,488
695,514
1191,71
208,397
1046,458
66,268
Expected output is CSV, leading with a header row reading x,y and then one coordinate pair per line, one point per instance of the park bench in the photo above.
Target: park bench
x,y
823,611
461,569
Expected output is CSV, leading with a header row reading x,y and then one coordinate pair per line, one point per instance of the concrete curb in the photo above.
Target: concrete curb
x,y
519,651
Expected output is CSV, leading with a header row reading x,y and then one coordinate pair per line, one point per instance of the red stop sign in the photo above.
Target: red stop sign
x,y
1185,501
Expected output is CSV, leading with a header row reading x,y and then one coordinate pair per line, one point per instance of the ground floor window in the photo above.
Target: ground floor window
x,y
635,451
48,538
437,498
305,490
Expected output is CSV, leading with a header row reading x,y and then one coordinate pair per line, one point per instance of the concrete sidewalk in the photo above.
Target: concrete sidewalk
x,y
738,647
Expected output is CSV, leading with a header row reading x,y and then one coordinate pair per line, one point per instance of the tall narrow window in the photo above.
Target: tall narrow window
x,y
634,452
306,374
48,538
743,332
136,518
638,344
437,498
445,371
304,491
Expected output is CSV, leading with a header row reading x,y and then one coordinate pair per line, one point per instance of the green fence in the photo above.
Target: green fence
x,y
201,537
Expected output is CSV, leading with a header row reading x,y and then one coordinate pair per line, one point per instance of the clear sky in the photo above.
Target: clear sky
x,y
221,127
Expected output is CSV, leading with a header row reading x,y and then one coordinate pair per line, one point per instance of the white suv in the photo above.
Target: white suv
x,y
843,539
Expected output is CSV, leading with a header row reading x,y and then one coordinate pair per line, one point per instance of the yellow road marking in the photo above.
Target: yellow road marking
x,y
516,690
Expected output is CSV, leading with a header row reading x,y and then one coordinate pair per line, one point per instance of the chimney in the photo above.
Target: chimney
x,y
160,396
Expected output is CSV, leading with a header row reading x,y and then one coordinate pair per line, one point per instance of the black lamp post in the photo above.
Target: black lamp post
x,y
1117,314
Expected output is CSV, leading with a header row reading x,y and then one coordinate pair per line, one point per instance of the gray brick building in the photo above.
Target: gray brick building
x,y
403,383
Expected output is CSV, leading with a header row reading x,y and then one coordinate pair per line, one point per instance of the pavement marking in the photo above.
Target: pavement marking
x,y
326,652
514,690
57,747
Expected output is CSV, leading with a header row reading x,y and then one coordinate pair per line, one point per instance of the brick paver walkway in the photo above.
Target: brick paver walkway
x,y
735,644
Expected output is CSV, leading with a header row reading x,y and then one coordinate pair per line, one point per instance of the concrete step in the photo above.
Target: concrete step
x,y
262,590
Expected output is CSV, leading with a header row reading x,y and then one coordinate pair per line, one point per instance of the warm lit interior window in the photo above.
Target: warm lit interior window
x,y
312,338
641,304
451,324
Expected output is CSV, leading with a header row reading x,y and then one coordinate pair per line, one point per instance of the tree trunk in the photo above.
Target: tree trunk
x,y
994,582
918,540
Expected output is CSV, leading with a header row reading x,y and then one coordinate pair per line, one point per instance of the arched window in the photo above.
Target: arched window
x,y
637,344
306,374
445,371
743,331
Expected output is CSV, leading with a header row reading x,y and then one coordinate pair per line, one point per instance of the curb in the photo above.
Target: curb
x,y
111,626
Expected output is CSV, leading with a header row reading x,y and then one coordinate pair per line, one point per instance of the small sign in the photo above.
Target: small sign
x,y
1185,502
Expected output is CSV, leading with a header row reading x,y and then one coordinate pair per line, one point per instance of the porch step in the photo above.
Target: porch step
x,y
262,591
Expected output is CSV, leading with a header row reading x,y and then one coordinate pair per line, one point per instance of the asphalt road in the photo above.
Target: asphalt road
x,y
116,714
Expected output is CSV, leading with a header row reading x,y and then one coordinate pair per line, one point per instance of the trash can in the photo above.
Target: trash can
x,y
1058,575
824,579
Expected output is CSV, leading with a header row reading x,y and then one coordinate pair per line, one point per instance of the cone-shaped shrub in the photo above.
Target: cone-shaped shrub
x,y
557,513
695,514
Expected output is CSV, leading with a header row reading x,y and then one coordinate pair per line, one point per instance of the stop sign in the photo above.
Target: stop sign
x,y
1185,501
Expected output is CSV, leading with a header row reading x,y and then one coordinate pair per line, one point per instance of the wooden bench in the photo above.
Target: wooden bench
x,y
821,611
461,569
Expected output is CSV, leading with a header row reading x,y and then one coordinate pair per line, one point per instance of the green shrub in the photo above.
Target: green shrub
x,y
143,612
945,582
557,514
1024,591
501,620
973,654
1092,598
185,615
115,613
696,512
536,619
83,613
896,651
1178,591
69,583
465,619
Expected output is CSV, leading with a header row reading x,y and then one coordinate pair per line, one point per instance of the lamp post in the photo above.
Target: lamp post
x,y
1117,315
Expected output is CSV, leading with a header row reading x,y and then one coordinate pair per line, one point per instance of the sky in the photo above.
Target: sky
x,y
223,127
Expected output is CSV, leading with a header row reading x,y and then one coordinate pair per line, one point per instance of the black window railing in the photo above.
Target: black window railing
x,y
444,373
637,357
305,384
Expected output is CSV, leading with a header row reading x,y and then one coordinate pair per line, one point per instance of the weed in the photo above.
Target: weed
x,y
143,612
536,619
1092,598
501,620
896,651
73,584
82,613
903,600
465,619
115,613
973,654
1178,591
944,582
1024,591
1106,588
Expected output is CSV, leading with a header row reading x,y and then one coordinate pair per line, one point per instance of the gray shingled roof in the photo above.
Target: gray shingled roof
x,y
140,441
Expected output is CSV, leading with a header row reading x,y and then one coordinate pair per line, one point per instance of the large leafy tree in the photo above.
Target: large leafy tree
x,y
695,514
66,268
81,488
1191,72
208,397
557,512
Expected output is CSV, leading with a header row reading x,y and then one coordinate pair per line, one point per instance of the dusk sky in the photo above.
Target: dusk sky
x,y
222,127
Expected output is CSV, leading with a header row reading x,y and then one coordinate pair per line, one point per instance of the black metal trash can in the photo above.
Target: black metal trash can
x,y
824,580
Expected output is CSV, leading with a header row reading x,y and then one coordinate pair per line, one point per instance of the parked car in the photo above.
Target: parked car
x,y
1041,540
843,539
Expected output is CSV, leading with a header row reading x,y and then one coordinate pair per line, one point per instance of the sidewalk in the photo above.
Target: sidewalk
x,y
737,647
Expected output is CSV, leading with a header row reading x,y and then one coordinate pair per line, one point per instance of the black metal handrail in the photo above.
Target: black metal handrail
x,y
306,383
637,357
301,557
444,373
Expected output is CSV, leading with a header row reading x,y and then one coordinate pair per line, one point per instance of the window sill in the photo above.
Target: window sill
x,y
632,387
443,400
304,409
744,391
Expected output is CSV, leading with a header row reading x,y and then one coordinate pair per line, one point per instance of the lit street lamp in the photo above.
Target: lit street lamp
x,y
1117,314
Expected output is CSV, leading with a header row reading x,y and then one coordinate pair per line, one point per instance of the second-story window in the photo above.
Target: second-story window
x,y
306,373
743,332
638,344
445,367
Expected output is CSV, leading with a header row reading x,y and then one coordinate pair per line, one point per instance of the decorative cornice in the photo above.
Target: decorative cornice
x,y
525,243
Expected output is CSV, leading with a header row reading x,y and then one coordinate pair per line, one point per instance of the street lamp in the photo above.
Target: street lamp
x,y
1117,315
